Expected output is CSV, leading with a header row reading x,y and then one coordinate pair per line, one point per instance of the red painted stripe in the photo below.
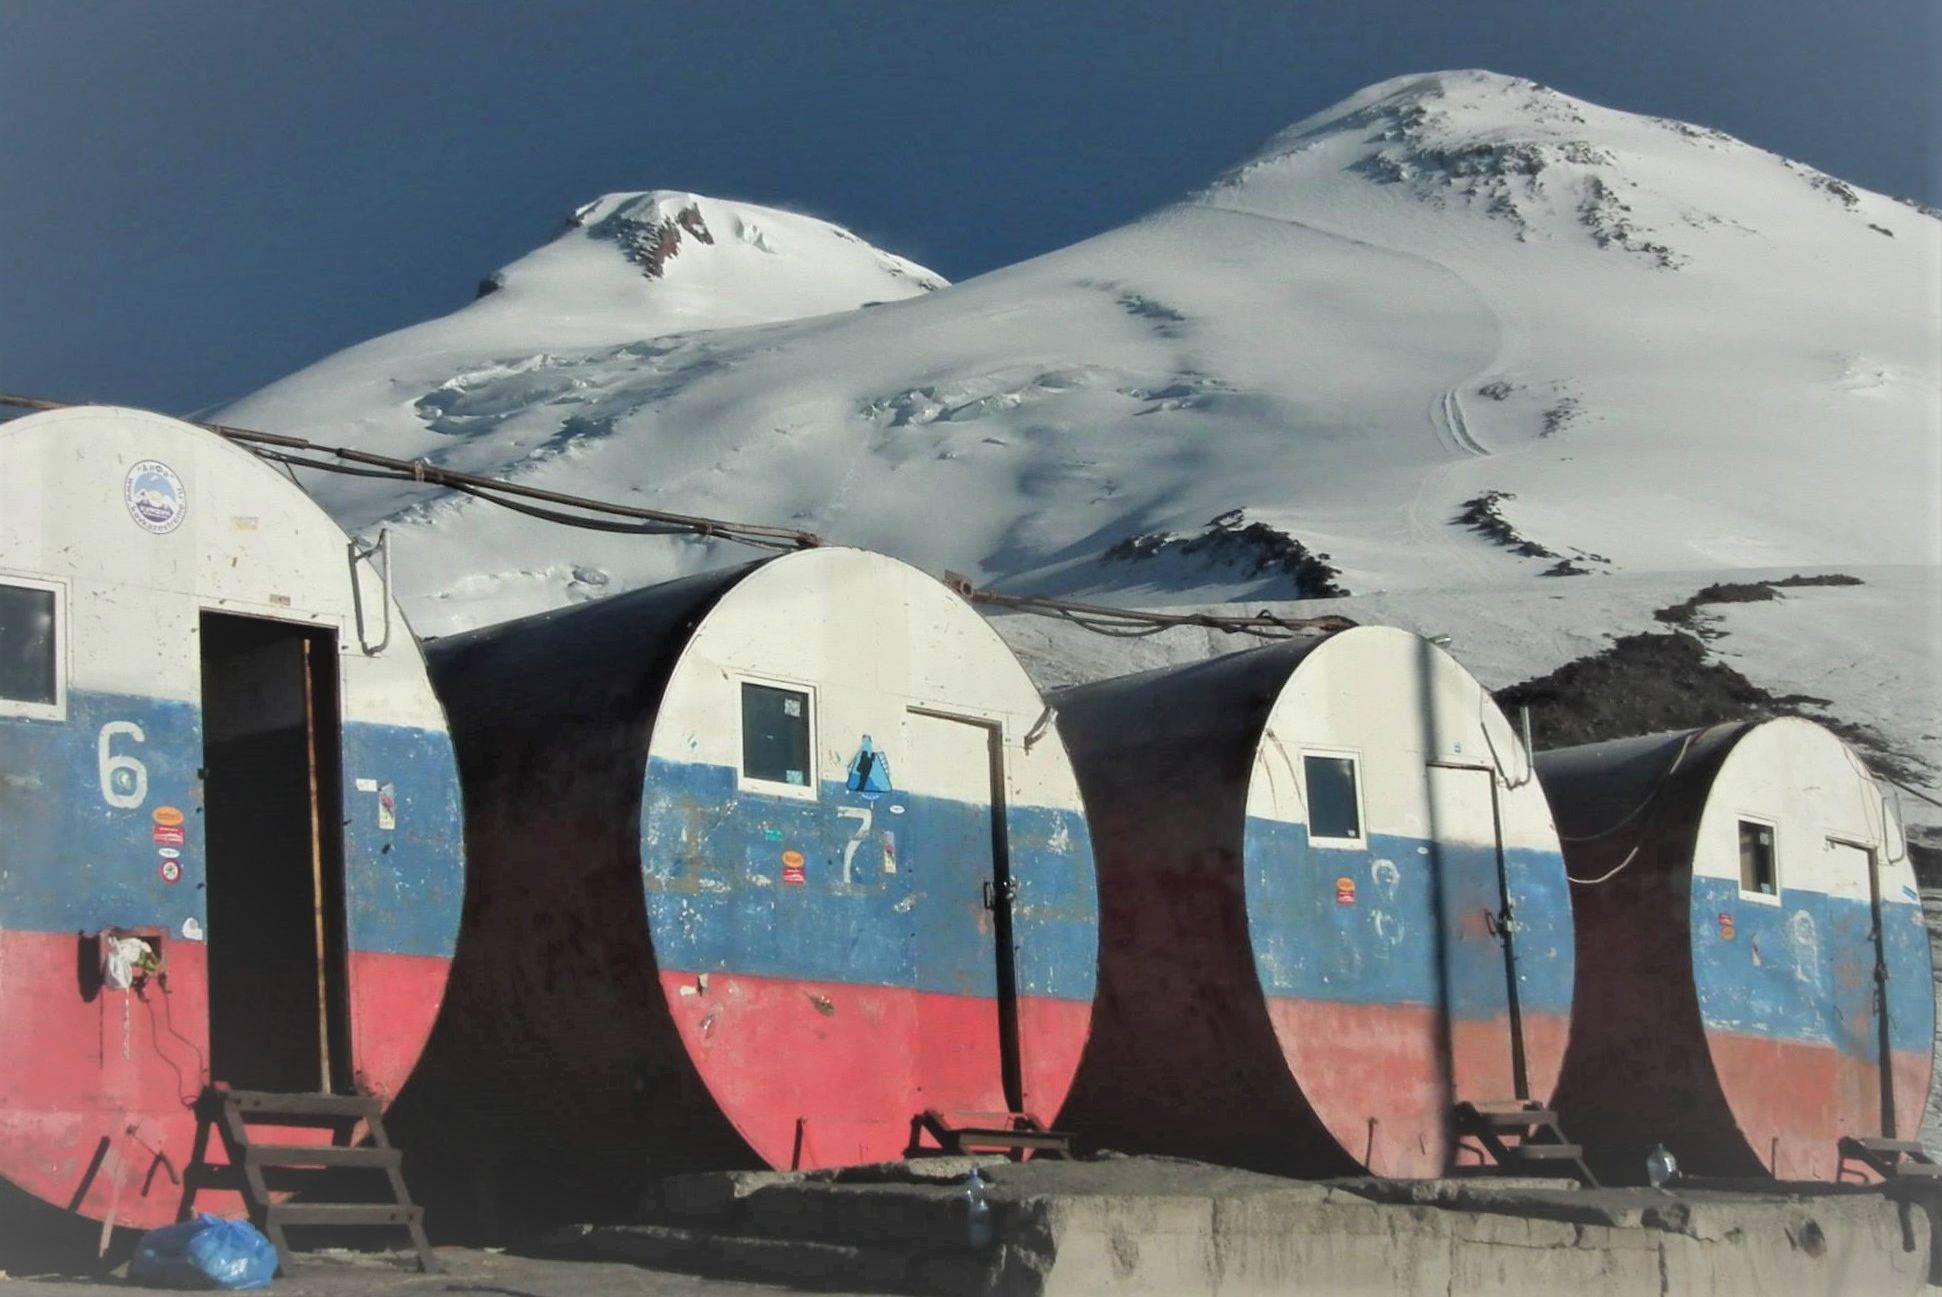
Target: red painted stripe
x,y
1793,1101
1378,1077
821,1074
121,1072
394,1001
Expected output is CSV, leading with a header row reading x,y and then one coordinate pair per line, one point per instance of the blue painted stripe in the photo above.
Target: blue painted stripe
x,y
70,862
718,898
1803,970
404,886
1384,947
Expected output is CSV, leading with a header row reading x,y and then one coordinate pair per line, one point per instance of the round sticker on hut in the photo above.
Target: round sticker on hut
x,y
154,496
792,863
171,871
1345,891
167,815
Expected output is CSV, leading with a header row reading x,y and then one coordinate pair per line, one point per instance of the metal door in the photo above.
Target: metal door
x,y
961,923
1478,926
1861,985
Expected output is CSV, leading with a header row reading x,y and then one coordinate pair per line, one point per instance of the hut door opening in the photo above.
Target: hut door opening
x,y
1484,1021
962,864
1861,983
271,821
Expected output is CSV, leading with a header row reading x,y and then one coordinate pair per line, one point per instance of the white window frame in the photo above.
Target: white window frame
x,y
1354,757
57,710
744,782
1739,875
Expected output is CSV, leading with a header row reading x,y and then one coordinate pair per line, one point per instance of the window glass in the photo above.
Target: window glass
x,y
27,649
775,735
1333,811
1756,858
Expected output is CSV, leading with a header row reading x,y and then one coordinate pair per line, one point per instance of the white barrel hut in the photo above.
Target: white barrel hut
x,y
768,862
230,844
1333,909
1754,980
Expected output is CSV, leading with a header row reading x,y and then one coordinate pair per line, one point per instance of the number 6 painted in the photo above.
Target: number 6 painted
x,y
124,779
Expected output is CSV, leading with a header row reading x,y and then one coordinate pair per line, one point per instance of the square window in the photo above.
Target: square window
x,y
1334,808
29,652
775,736
1757,872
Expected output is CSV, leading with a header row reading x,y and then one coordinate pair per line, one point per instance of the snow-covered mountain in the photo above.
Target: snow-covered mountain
x,y
1463,353
1453,311
1460,337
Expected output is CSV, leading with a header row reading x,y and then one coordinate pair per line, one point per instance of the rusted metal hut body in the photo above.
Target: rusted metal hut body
x,y
766,862
1307,857
1743,888
230,844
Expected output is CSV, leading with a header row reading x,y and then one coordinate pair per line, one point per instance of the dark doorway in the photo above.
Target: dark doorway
x,y
272,822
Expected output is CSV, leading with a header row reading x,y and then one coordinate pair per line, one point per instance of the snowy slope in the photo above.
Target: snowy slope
x,y
1453,334
1672,350
630,280
1497,363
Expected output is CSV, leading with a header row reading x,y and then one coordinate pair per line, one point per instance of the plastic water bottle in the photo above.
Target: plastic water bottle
x,y
977,1212
1660,1166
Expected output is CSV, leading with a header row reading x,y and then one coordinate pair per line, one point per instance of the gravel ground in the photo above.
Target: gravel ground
x,y
467,1271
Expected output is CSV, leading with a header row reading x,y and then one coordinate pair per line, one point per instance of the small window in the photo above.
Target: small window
x,y
1756,858
1334,808
775,737
29,649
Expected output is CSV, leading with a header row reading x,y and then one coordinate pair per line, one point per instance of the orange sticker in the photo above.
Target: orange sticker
x,y
1345,891
1726,928
792,872
168,816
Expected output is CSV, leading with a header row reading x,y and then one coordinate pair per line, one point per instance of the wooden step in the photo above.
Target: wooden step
x,y
326,1155
260,1105
261,1172
1512,1118
1546,1153
344,1213
968,1136
1903,1147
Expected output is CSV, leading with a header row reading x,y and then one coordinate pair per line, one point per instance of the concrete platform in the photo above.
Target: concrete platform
x,y
1161,1226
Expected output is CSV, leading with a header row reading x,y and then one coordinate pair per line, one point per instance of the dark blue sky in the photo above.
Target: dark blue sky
x,y
199,197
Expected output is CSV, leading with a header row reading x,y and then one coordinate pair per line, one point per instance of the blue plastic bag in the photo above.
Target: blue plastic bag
x,y
207,1252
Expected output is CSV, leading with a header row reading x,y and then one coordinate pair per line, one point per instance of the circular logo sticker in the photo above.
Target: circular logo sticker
x,y
171,871
154,496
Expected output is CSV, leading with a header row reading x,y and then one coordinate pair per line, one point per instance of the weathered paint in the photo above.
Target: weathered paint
x,y
1300,1005
96,1085
1740,1029
669,963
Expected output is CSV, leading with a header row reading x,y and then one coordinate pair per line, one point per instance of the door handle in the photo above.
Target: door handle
x,y
1498,923
994,892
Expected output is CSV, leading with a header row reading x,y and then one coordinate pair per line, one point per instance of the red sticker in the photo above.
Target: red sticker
x,y
169,835
1345,891
171,871
792,863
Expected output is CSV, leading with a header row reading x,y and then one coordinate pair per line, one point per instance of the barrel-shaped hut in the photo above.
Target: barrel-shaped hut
x,y
1754,973
768,862
230,845
1332,908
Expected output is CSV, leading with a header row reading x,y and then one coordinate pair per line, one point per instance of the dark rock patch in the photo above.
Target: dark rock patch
x,y
1254,548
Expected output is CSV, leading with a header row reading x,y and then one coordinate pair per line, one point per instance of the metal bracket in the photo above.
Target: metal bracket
x,y
381,550
1006,891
